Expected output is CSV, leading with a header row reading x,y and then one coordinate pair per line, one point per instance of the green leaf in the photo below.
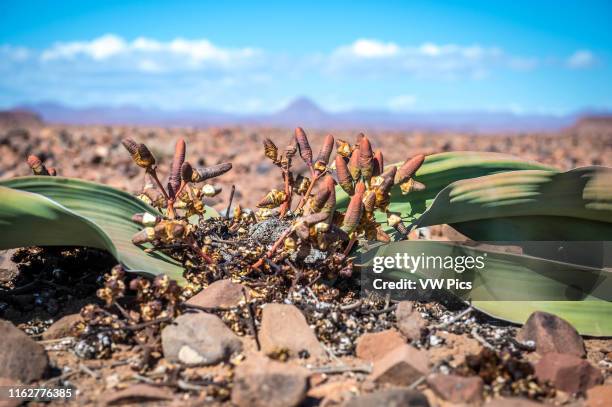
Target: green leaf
x,y
440,170
57,211
506,287
528,205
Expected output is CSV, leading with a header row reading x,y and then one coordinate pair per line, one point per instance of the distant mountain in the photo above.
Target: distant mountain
x,y
19,118
304,112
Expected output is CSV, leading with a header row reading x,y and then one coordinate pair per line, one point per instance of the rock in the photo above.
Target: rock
x,y
401,367
457,389
136,393
373,346
409,321
551,334
283,327
390,398
221,293
513,402
456,348
261,382
6,382
335,390
62,327
8,269
599,396
567,372
199,339
20,357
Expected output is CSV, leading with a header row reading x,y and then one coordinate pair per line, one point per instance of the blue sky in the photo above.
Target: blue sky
x,y
548,57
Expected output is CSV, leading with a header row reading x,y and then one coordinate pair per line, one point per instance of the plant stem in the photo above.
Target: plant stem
x,y
152,171
229,205
274,248
315,178
287,203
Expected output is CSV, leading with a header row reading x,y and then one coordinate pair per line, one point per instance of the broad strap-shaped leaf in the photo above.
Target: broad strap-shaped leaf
x,y
512,286
528,205
55,211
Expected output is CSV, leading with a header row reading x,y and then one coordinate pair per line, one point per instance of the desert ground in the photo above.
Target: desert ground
x,y
470,359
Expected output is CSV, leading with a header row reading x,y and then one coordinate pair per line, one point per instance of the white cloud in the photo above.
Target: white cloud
x,y
100,48
179,51
373,49
580,59
370,56
402,102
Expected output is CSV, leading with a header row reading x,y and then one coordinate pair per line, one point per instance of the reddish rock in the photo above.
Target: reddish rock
x,y
409,321
401,367
221,293
373,346
567,372
6,382
62,327
599,396
283,327
551,334
513,402
261,382
390,398
335,390
20,357
457,389
136,393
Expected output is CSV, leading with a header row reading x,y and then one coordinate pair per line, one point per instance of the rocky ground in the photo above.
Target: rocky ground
x,y
272,340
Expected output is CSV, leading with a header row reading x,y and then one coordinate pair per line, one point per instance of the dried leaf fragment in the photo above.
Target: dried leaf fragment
x,y
343,148
411,185
272,199
270,150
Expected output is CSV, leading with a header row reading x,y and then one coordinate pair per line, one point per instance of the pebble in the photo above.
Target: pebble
x,y
21,358
261,382
284,327
409,321
551,334
568,373
390,398
199,339
221,293
373,346
402,366
457,389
